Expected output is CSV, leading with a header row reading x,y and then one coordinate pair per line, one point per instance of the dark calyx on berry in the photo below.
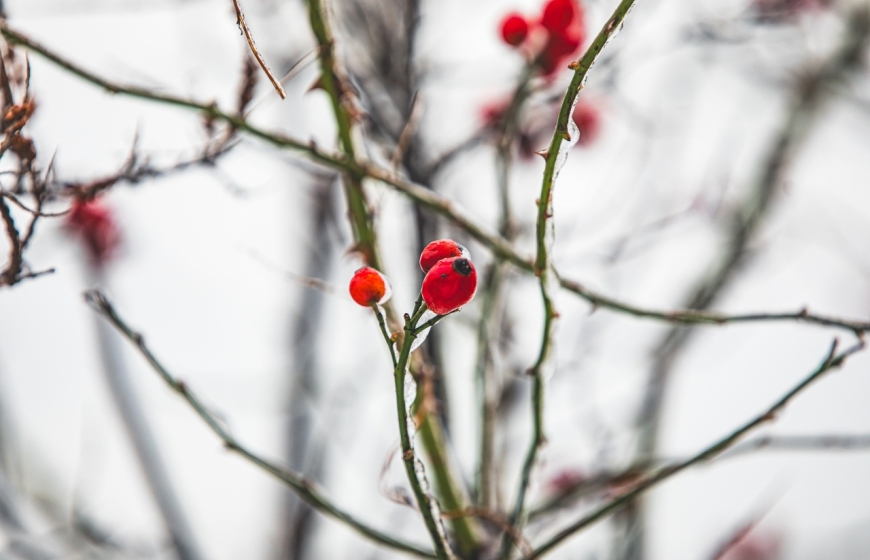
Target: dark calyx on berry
x,y
462,266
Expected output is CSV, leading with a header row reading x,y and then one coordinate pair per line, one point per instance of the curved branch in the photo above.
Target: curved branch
x,y
301,485
832,360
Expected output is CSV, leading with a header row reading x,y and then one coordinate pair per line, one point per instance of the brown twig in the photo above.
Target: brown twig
x,y
250,38
11,274
407,134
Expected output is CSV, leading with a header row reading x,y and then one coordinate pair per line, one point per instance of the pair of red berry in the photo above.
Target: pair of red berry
x,y
450,281
560,27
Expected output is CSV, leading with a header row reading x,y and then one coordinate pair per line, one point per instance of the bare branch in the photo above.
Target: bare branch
x,y
250,38
832,361
304,487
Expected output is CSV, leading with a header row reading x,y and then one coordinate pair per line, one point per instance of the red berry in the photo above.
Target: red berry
x,y
438,250
559,14
514,29
94,223
560,47
783,11
449,285
567,41
588,120
369,287
493,113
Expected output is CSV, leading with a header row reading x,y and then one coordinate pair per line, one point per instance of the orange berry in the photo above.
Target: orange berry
x,y
369,287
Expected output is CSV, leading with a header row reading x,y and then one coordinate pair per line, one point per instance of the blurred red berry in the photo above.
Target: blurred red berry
x,y
514,29
438,250
565,481
449,285
493,113
587,117
755,546
369,287
94,224
559,14
562,45
782,11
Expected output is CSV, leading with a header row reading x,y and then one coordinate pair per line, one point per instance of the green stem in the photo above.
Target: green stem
x,y
360,217
387,338
365,236
543,268
424,501
432,322
519,515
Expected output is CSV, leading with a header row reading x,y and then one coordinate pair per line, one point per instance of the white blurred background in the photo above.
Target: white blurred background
x,y
690,96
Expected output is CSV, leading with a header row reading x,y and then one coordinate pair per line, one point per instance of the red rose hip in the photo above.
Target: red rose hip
x,y
94,223
514,29
438,250
588,121
449,285
558,15
369,287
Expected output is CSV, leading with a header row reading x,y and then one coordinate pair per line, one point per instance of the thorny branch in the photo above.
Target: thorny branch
x,y
832,361
365,238
301,485
427,198
809,94
413,467
441,205
606,481
13,118
543,267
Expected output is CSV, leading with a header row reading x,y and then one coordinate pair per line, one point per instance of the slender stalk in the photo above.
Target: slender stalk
x,y
358,211
143,440
426,198
832,360
808,97
542,266
240,17
387,337
518,516
432,322
412,464
780,443
365,238
301,485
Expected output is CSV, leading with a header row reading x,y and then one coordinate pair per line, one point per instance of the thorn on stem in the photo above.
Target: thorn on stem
x,y
318,84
